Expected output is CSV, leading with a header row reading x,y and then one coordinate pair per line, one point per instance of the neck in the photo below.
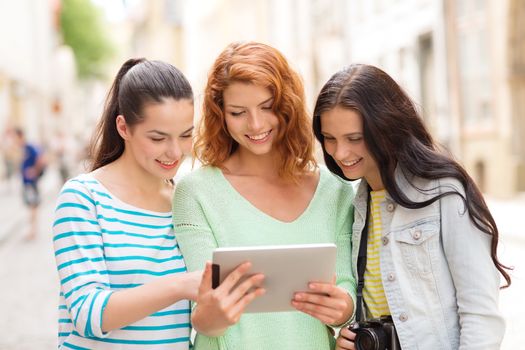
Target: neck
x,y
134,175
375,182
246,163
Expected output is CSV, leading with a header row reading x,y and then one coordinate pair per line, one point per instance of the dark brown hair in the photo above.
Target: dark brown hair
x,y
138,82
395,136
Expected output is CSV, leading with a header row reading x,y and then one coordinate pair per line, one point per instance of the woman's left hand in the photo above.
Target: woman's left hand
x,y
325,301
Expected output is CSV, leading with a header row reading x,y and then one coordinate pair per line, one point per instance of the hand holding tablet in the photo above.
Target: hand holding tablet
x,y
288,269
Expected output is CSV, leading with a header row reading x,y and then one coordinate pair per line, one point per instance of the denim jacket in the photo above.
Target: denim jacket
x,y
439,279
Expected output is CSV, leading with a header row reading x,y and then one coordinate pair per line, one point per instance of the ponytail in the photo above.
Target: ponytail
x,y
107,145
138,82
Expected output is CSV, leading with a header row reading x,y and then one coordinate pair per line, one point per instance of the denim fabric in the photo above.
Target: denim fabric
x,y
439,279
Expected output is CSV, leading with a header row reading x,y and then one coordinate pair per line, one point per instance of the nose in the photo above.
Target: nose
x,y
254,121
340,151
174,151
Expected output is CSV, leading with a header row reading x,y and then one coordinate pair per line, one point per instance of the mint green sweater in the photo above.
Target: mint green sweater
x,y
209,213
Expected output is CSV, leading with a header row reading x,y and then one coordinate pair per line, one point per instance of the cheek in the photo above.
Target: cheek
x,y
185,146
235,129
329,147
149,149
275,120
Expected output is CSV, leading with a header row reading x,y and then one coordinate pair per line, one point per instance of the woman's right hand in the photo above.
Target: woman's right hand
x,y
219,308
345,340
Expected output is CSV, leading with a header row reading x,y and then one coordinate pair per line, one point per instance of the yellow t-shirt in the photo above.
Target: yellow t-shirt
x,y
373,292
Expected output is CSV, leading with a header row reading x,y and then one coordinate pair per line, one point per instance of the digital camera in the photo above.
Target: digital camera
x,y
375,334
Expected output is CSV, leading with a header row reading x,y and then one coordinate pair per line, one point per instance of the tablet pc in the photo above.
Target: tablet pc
x,y
287,269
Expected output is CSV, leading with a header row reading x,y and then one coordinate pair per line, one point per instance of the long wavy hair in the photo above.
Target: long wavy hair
x,y
138,82
262,65
395,136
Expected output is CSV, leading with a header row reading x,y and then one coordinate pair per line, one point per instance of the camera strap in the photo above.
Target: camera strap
x,y
361,264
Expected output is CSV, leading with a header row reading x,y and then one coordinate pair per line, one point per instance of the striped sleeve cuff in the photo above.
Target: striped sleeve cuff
x,y
97,304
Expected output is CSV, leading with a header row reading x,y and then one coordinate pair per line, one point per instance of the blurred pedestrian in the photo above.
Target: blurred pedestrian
x,y
11,155
63,150
32,168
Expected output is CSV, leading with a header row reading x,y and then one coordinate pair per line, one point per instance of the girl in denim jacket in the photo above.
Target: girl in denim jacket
x,y
431,262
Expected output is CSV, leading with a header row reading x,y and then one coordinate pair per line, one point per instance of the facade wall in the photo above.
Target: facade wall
x,y
406,38
516,78
451,56
26,46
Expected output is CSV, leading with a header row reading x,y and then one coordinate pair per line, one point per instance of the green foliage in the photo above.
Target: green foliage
x,y
83,30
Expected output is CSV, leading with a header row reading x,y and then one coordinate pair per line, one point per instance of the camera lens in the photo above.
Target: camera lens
x,y
370,339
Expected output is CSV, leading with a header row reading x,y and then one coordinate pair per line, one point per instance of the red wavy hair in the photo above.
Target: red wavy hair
x,y
262,65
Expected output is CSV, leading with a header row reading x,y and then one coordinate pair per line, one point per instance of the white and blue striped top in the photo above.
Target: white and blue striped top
x,y
104,245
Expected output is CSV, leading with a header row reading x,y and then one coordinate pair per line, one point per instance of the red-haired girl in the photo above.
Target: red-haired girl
x,y
260,185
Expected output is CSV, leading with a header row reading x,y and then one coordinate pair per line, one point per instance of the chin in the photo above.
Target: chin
x,y
352,177
167,175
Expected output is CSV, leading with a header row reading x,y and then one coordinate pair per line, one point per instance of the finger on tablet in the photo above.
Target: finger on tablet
x,y
231,280
247,299
206,279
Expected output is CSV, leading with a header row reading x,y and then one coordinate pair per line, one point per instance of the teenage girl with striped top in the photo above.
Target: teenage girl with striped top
x,y
123,282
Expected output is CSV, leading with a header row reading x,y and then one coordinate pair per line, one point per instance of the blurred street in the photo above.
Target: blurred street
x,y
462,62
30,284
29,293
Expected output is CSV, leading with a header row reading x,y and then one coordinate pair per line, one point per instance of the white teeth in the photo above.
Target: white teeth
x,y
167,163
260,136
354,162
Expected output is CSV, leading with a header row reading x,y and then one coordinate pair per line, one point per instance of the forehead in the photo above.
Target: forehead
x,y
341,121
245,94
170,114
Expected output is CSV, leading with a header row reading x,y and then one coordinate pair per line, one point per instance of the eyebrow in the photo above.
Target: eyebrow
x,y
263,102
345,135
158,132
188,130
166,134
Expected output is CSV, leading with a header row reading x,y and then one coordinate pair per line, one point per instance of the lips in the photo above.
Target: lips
x,y
350,164
260,138
168,164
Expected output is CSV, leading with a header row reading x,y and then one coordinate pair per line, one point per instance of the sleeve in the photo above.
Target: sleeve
x,y
192,230
475,277
79,254
345,278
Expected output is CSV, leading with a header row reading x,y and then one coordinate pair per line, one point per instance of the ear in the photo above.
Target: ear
x,y
122,128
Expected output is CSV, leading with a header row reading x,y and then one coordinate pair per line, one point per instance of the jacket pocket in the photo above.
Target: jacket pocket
x,y
419,245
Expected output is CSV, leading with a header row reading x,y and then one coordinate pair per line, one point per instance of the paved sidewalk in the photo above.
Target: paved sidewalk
x,y
13,212
507,214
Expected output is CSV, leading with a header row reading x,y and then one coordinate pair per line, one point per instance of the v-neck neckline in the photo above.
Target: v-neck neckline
x,y
253,208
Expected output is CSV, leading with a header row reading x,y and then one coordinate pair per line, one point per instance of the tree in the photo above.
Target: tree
x,y
83,30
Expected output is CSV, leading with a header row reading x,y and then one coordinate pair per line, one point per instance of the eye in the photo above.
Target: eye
x,y
185,136
329,139
155,139
355,139
267,108
236,114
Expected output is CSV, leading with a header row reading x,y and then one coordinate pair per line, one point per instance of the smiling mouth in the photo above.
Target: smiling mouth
x,y
168,165
350,163
259,137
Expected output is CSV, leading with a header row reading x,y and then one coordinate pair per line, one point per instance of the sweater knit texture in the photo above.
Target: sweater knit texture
x,y
210,213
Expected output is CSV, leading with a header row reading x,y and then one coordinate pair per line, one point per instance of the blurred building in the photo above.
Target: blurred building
x,y
210,25
36,72
463,61
191,34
